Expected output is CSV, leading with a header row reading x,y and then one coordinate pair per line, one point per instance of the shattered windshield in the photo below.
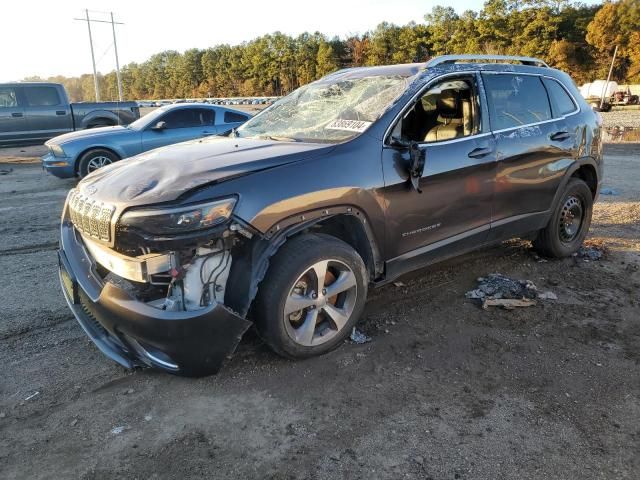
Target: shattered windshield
x,y
327,111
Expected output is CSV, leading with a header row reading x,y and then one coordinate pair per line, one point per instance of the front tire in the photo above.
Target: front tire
x,y
94,160
312,296
569,223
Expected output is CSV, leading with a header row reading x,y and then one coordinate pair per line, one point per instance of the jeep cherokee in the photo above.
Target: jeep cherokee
x,y
167,258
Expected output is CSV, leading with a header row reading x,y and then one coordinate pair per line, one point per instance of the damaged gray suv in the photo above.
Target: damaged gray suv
x,y
167,258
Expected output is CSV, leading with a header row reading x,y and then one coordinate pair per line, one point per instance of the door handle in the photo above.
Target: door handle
x,y
480,152
16,114
560,136
60,112
206,134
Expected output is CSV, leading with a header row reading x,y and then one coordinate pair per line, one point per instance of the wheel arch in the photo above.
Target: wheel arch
x,y
105,116
249,268
585,169
589,175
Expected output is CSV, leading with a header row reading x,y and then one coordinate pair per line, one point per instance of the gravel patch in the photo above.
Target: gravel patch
x,y
623,118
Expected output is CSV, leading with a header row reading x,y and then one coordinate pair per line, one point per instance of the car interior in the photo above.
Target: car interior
x,y
445,112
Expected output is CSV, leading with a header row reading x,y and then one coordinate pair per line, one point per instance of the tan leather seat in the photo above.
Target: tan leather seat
x,y
450,117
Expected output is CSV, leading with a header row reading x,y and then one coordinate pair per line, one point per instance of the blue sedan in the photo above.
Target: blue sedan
x,y
80,153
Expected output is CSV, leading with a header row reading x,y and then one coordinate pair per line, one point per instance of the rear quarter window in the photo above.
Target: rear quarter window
x,y
516,100
561,101
41,96
233,117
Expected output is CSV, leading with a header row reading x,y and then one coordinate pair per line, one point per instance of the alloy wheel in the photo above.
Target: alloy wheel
x,y
97,162
320,302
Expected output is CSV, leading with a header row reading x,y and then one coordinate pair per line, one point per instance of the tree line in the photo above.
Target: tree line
x,y
574,37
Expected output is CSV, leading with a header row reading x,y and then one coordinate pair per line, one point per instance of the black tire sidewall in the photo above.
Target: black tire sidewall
x,y
83,163
293,259
553,245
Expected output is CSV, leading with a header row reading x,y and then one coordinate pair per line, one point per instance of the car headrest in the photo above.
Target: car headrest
x,y
449,105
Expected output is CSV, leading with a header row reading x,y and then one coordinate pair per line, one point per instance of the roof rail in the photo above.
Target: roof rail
x,y
533,62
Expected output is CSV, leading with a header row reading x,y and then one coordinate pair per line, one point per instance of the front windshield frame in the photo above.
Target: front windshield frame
x,y
336,109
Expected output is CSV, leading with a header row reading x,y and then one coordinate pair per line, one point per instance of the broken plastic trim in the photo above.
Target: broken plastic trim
x,y
137,269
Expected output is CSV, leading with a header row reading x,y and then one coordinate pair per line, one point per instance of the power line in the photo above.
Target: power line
x,y
115,48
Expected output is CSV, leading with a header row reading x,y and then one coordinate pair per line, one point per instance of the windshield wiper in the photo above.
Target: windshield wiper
x,y
278,138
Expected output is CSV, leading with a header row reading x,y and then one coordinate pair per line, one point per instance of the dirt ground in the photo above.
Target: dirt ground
x,y
445,390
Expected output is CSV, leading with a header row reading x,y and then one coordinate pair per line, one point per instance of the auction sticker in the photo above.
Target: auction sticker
x,y
349,125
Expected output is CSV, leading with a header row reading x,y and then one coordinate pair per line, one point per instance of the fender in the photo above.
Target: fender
x,y
573,168
118,151
250,268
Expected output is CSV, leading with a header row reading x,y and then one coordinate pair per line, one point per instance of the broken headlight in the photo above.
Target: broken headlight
x,y
189,218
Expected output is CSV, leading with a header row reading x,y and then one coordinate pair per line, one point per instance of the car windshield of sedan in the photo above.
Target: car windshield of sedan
x,y
148,119
327,111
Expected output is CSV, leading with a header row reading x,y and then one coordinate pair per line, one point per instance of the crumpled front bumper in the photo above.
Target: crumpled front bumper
x,y
133,333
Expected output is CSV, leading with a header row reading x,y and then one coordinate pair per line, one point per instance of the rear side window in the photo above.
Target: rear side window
x,y
232,117
516,100
41,96
561,101
189,118
8,97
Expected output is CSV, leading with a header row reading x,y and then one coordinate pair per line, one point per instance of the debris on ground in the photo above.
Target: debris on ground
x,y
507,303
34,394
359,337
592,252
399,284
496,285
547,296
609,191
497,290
118,430
539,259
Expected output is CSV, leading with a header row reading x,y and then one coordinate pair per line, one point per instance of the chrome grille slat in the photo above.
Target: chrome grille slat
x,y
93,220
86,226
91,217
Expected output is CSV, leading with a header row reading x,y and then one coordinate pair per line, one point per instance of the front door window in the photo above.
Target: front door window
x,y
447,111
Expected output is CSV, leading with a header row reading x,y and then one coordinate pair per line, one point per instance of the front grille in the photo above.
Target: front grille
x,y
91,217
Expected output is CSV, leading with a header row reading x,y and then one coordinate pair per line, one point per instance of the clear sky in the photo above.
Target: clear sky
x,y
40,37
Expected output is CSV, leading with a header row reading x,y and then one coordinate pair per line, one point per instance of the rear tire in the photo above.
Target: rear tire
x,y
95,159
302,273
569,223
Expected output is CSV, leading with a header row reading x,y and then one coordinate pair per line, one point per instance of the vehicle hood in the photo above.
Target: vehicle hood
x,y
166,173
89,134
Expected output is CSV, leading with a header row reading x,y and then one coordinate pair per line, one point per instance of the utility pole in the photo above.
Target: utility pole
x,y
606,85
115,48
93,58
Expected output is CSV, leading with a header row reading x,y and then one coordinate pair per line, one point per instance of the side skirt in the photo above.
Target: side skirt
x,y
465,242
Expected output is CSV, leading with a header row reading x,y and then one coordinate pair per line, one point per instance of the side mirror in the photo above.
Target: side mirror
x,y
416,165
159,126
